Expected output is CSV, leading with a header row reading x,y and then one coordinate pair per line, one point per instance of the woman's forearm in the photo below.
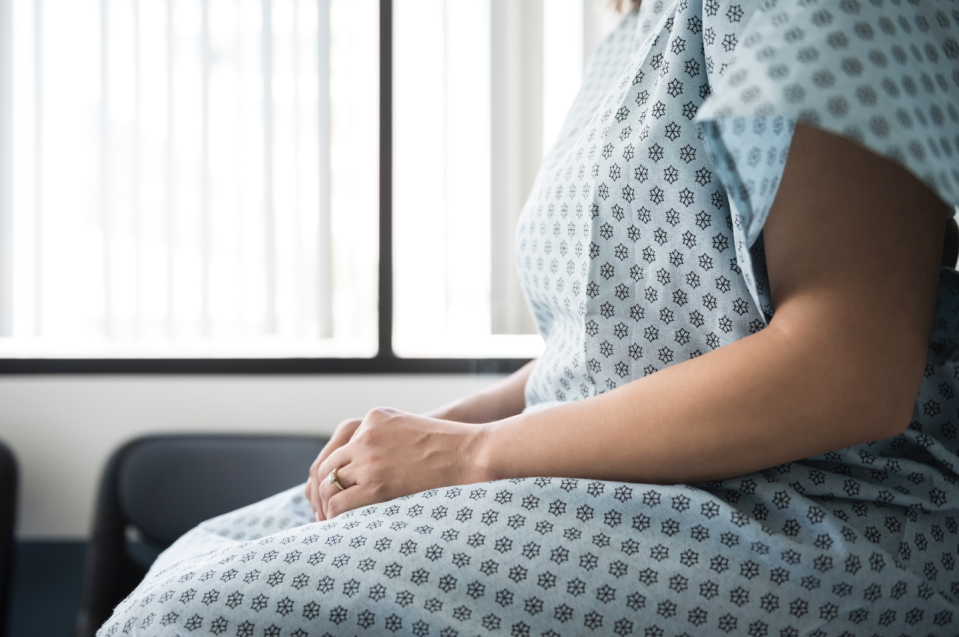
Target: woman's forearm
x,y
776,396
767,399
502,400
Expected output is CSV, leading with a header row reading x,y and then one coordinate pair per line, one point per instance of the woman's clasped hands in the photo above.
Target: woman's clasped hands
x,y
388,454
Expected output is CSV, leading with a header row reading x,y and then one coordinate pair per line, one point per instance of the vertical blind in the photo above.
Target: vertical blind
x,y
199,177
481,90
174,174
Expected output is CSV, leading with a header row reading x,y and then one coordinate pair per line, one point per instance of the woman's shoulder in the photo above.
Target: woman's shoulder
x,y
884,73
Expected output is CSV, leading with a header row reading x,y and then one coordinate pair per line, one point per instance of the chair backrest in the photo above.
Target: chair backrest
x,y
8,511
167,486
162,486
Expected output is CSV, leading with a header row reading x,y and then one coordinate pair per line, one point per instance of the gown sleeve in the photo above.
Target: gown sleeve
x,y
882,73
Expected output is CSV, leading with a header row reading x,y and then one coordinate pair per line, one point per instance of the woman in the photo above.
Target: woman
x,y
733,253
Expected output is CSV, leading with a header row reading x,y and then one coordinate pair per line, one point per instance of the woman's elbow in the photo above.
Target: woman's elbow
x,y
887,397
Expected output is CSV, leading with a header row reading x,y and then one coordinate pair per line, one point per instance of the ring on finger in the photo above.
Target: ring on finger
x,y
332,479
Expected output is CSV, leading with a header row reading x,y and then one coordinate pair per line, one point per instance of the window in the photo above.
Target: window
x,y
200,179
183,170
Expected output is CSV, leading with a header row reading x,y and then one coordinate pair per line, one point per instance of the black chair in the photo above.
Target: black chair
x,y
155,489
8,511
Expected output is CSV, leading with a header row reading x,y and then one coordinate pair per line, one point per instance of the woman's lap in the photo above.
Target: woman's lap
x,y
526,557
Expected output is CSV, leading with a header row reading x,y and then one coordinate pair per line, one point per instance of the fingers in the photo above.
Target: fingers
x,y
336,501
344,432
336,460
337,454
313,497
346,479
312,490
323,488
355,497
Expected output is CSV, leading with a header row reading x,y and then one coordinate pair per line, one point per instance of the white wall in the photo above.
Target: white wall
x,y
64,428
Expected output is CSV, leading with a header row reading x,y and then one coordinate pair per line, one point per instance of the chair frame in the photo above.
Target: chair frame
x,y
109,571
8,515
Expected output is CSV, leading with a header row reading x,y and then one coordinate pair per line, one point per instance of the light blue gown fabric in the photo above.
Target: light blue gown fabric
x,y
641,247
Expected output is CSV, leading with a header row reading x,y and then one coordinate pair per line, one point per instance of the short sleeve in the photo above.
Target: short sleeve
x,y
883,73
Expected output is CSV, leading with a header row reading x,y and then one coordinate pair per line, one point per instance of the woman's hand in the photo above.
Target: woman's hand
x,y
502,400
344,431
391,453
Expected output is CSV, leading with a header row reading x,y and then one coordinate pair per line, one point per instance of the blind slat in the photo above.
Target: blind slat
x,y
38,168
169,168
137,167
325,245
6,168
205,243
269,257
106,220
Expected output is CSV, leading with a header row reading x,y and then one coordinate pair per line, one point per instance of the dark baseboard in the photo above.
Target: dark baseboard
x,y
46,588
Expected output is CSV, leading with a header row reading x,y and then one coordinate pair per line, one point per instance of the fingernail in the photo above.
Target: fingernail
x,y
316,515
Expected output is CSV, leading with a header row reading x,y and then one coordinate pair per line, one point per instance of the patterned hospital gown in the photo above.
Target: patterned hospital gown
x,y
641,247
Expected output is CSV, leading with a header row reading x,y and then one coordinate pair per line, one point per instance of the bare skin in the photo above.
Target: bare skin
x,y
504,399
853,245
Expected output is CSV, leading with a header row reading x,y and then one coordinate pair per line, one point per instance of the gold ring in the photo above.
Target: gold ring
x,y
332,479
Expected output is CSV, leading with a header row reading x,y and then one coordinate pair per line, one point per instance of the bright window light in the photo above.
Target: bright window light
x,y
194,178
200,178
462,169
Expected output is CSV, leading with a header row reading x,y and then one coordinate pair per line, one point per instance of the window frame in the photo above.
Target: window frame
x,y
384,362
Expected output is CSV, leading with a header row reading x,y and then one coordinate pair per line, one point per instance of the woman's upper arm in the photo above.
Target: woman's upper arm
x,y
853,248
843,205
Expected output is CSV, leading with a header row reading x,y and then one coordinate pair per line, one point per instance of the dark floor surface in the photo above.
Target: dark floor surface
x,y
46,588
